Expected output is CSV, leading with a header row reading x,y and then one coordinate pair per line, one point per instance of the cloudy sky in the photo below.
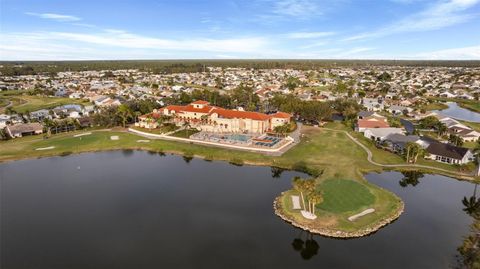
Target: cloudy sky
x,y
222,29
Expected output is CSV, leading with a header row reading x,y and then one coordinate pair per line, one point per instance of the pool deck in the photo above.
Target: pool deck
x,y
290,141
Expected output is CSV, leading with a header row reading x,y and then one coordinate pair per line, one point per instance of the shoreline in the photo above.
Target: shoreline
x,y
337,233
145,147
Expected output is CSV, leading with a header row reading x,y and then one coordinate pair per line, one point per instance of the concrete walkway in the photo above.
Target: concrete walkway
x,y
370,158
296,202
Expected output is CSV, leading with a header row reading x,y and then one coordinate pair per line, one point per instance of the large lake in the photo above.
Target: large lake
x,y
139,210
460,113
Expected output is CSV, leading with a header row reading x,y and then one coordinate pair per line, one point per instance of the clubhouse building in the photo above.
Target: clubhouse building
x,y
208,118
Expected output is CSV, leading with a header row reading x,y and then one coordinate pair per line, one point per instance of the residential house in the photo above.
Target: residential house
x,y
398,110
373,104
447,153
371,122
380,134
397,142
23,129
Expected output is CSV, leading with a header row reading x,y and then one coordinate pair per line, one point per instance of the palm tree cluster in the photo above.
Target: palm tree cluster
x,y
307,187
412,151
455,140
441,128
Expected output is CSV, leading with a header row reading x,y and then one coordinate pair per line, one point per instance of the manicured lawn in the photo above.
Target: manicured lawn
x,y
3,102
473,105
474,125
340,195
185,133
160,130
434,106
32,103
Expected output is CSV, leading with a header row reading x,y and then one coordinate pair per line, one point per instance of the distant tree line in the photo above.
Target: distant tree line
x,y
11,68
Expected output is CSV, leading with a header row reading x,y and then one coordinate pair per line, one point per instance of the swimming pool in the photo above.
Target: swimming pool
x,y
238,137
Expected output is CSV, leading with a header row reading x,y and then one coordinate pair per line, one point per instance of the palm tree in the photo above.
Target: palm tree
x,y
456,140
315,199
413,151
408,147
186,126
418,151
299,185
441,128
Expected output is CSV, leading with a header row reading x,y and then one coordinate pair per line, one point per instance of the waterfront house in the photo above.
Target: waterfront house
x,y
23,129
447,153
397,141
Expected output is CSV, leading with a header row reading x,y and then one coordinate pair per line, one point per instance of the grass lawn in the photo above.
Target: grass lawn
x,y
3,102
160,130
340,195
434,106
474,125
473,105
185,133
32,103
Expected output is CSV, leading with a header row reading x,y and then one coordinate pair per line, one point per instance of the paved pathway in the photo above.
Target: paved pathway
x,y
370,158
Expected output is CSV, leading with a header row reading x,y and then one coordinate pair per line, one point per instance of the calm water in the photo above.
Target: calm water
x,y
138,210
457,112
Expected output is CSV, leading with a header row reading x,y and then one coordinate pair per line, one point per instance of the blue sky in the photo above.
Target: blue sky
x,y
188,29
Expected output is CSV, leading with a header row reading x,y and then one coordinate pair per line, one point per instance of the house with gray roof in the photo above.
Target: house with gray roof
x,y
447,153
23,129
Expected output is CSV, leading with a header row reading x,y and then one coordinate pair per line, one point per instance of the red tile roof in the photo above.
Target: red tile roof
x,y
231,114
152,115
200,102
364,123
225,113
281,115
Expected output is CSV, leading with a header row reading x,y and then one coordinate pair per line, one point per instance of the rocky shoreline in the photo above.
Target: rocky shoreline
x,y
335,233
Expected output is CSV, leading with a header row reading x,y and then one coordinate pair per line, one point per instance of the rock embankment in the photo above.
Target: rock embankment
x,y
336,233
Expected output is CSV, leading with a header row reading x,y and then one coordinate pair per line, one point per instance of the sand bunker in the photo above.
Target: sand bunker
x,y
363,213
78,135
47,148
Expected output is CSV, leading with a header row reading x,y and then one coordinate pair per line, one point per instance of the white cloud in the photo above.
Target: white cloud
x,y
307,35
295,8
54,16
77,45
314,45
439,15
465,53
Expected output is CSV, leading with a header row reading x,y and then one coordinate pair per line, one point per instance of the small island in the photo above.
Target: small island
x,y
337,207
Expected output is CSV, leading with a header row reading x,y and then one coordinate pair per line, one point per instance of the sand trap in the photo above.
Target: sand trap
x,y
143,141
114,137
363,213
47,148
78,135
308,215
296,202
